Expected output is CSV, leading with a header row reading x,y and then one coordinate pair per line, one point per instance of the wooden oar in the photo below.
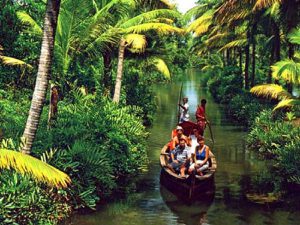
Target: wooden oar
x,y
210,131
178,117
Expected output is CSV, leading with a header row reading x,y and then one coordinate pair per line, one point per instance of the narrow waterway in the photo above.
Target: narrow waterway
x,y
153,204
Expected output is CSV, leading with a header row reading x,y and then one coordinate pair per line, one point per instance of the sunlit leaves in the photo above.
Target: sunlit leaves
x,y
286,103
136,42
265,3
201,24
14,62
294,37
160,28
272,91
162,67
235,43
287,69
26,164
26,19
149,16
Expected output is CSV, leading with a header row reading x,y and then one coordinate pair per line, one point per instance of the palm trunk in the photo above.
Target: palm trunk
x,y
275,51
107,79
241,59
247,66
117,92
253,63
254,30
43,74
53,106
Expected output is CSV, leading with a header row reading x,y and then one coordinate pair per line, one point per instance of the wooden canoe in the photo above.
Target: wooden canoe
x,y
192,186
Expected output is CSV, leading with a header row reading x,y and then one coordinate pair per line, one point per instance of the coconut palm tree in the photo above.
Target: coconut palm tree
x,y
289,70
132,36
45,62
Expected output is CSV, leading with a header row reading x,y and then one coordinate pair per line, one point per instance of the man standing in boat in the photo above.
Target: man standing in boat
x,y
184,109
200,115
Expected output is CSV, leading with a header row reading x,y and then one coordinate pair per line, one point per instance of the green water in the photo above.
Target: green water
x,y
153,204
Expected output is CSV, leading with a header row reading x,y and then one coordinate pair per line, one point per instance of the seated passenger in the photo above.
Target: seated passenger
x,y
200,158
193,140
179,135
179,158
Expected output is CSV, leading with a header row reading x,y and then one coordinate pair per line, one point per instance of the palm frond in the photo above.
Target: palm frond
x,y
14,62
28,20
195,12
103,42
235,43
160,28
287,69
294,36
217,39
136,42
287,103
149,16
272,91
167,4
162,67
233,10
201,24
260,4
26,164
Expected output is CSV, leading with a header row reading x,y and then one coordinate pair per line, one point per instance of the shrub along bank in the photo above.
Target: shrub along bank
x,y
96,142
271,135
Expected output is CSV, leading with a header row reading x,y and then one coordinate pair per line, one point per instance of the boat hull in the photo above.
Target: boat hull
x,y
190,187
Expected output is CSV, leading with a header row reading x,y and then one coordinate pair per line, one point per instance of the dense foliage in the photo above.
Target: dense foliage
x,y
277,140
97,143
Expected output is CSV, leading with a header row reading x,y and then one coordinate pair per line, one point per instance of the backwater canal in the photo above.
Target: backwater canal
x,y
152,204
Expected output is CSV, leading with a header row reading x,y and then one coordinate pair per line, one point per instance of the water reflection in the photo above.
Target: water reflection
x,y
190,213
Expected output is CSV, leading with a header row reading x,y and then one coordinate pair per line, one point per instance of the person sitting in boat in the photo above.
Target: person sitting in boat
x,y
184,109
193,140
179,158
200,158
179,135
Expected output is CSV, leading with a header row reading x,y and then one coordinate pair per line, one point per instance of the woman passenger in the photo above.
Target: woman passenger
x,y
200,158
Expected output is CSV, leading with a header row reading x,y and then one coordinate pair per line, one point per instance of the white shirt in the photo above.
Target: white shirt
x,y
184,115
193,145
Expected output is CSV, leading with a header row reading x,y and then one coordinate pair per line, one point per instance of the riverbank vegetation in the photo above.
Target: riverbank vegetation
x,y
249,51
99,59
83,69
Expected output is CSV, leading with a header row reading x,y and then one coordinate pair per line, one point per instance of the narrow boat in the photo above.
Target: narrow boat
x,y
192,186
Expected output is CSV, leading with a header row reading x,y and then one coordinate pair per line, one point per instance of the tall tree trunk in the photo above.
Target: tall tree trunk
x,y
53,106
253,63
43,74
271,63
107,79
291,55
117,92
227,57
275,50
241,59
247,66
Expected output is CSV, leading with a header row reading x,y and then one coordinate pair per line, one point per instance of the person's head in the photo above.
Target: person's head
x,y
196,132
200,140
182,143
179,130
203,102
185,99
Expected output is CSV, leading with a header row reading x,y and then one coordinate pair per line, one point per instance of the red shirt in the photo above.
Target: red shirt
x,y
200,113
